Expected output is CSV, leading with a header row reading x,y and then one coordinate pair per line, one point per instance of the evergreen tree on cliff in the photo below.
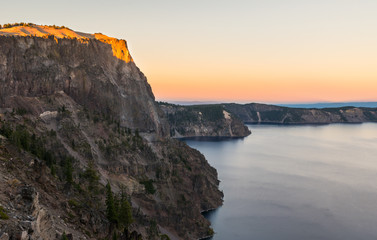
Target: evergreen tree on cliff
x,y
110,206
125,212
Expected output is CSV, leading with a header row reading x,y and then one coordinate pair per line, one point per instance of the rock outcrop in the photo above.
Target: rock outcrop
x,y
203,121
77,105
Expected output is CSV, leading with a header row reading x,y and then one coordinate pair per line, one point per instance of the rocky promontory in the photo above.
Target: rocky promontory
x,y
203,121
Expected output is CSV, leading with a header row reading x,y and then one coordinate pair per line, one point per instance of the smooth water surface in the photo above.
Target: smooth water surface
x,y
296,182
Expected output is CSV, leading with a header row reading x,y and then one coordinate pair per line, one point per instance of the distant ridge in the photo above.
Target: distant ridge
x,y
257,113
193,102
291,105
330,105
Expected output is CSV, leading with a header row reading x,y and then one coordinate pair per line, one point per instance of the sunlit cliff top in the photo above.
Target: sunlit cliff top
x,y
43,31
119,47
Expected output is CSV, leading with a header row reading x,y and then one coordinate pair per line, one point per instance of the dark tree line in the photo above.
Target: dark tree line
x,y
118,209
21,137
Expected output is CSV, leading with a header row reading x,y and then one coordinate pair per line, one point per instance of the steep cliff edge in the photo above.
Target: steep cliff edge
x,y
97,72
263,113
203,121
75,114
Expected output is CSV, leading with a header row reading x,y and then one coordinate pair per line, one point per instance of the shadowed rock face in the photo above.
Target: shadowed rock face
x,y
95,74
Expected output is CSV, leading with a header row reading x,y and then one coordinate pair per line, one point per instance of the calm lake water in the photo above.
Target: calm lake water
x,y
296,182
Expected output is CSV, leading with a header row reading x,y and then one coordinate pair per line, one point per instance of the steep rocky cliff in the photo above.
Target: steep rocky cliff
x,y
97,73
76,113
262,113
203,120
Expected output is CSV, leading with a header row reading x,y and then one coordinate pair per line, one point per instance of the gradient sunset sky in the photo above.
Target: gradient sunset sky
x,y
243,51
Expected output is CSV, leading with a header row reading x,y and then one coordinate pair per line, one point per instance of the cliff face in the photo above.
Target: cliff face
x,y
203,120
262,113
72,109
88,72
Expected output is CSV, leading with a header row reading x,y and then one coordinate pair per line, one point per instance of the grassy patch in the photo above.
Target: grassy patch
x,y
73,203
164,237
3,214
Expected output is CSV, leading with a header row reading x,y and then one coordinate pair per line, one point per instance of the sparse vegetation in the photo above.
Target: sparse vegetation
x,y
73,203
148,184
210,232
164,237
64,236
3,214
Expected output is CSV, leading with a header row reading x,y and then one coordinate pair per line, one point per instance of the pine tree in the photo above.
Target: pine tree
x,y
68,170
110,206
116,208
92,176
115,236
125,212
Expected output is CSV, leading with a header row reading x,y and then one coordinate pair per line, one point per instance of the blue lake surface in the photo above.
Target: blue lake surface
x,y
296,182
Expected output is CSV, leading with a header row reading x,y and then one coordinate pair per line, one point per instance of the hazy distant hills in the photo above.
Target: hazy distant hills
x,y
263,113
331,105
293,105
321,113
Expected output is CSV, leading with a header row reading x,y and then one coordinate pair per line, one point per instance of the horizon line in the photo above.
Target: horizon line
x,y
263,102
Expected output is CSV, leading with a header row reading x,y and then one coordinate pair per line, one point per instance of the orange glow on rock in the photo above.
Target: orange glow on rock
x,y
119,47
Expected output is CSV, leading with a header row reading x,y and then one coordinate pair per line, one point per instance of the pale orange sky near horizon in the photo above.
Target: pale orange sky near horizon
x,y
243,51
